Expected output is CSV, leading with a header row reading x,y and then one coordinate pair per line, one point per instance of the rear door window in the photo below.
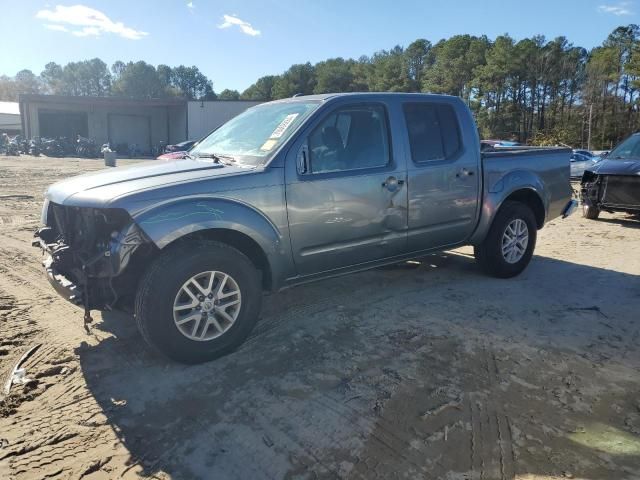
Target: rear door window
x,y
433,131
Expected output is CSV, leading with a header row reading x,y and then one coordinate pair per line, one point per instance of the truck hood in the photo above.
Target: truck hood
x,y
107,185
616,167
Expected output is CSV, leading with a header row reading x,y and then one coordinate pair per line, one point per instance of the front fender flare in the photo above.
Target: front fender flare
x,y
166,222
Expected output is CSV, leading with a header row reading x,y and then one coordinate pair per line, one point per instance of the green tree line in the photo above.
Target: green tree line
x,y
132,79
532,90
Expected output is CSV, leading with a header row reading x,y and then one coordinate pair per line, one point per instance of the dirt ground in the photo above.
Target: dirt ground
x,y
421,370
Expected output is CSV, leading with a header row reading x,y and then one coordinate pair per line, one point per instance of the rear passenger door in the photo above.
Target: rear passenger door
x,y
443,176
348,204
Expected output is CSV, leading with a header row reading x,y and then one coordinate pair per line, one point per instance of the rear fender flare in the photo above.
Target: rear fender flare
x,y
501,188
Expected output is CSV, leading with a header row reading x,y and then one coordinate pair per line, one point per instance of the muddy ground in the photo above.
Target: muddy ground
x,y
421,370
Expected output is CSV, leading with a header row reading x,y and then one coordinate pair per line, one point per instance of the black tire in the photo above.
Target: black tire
x,y
489,253
589,211
164,279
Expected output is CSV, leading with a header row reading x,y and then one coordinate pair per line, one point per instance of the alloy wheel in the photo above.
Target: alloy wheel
x,y
515,240
207,305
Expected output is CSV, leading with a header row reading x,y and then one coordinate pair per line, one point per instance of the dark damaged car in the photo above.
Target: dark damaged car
x,y
286,193
613,184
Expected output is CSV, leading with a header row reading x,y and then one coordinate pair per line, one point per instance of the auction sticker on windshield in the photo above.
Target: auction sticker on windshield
x,y
269,144
280,129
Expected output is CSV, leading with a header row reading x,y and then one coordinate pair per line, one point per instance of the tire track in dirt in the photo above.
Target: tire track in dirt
x,y
18,329
74,424
334,302
492,454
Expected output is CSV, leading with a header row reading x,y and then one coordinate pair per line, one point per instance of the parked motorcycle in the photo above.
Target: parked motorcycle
x,y
12,148
35,147
134,150
86,147
21,143
52,147
68,146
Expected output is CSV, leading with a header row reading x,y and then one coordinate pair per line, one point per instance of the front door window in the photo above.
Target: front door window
x,y
351,138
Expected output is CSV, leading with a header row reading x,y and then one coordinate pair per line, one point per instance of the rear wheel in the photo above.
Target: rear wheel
x,y
198,301
508,247
591,212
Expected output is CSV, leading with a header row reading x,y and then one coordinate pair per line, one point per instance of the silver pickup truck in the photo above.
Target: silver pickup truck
x,y
289,192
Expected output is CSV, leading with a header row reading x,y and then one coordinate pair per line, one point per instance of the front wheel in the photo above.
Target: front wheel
x,y
508,247
198,301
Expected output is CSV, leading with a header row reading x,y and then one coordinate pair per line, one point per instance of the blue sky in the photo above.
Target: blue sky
x,y
234,42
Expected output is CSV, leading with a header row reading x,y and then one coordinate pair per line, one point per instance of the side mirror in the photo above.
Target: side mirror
x,y
302,160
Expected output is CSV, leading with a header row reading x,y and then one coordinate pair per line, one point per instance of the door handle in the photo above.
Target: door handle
x,y
464,172
392,184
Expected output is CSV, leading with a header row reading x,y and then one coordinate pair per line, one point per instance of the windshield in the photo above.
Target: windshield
x,y
254,135
628,149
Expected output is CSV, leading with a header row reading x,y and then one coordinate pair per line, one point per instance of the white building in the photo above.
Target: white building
x,y
202,117
122,122
10,118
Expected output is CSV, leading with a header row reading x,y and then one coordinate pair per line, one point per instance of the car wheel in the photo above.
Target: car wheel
x,y
590,212
198,301
508,247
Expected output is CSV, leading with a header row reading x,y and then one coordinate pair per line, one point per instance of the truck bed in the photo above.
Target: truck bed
x,y
545,169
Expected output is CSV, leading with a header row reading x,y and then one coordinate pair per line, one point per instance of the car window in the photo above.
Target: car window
x,y
629,149
433,131
253,136
350,138
343,123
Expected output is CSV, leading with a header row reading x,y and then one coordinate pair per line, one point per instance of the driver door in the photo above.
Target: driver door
x,y
347,203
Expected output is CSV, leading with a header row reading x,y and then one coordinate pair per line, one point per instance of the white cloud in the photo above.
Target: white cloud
x,y
619,9
87,32
57,28
245,27
190,6
87,22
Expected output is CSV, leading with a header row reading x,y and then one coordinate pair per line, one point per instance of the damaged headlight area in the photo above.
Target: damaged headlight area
x,y
87,252
611,193
590,188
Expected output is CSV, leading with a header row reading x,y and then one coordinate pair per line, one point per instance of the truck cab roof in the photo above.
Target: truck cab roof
x,y
365,95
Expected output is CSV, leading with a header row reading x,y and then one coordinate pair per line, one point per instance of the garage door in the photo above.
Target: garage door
x,y
129,130
55,124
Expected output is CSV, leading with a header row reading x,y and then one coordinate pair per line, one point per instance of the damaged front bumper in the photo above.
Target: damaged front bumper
x,y
70,281
66,288
611,193
87,255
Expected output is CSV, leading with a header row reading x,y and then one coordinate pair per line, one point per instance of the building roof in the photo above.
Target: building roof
x,y
106,101
10,108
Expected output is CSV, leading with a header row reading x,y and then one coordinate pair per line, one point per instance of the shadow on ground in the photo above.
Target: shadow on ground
x,y
630,221
422,369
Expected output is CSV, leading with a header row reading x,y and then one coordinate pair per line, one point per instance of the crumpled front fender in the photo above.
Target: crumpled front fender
x,y
167,222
